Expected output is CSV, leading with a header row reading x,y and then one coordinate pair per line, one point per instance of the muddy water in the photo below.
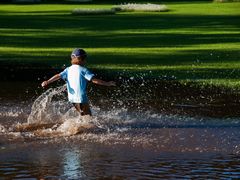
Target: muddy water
x,y
137,134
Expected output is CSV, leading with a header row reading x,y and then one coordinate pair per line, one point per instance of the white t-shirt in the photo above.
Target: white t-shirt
x,y
77,77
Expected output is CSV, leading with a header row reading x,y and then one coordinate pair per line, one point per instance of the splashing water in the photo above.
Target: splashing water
x,y
53,116
2,129
46,109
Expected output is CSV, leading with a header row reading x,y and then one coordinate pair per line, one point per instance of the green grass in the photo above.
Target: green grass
x,y
198,41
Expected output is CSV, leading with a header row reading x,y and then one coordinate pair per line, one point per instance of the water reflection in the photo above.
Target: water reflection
x,y
72,165
69,160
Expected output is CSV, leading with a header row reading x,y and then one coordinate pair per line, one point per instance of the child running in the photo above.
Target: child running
x,y
76,77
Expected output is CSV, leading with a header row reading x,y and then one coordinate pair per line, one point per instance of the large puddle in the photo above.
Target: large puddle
x,y
136,132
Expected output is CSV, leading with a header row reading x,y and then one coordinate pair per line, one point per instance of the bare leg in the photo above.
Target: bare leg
x,y
83,108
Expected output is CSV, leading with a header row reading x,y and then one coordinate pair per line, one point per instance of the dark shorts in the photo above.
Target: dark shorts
x,y
83,108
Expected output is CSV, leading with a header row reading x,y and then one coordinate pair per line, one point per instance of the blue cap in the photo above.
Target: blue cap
x,y
79,53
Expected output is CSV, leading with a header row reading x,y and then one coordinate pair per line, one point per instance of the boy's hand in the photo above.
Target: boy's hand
x,y
44,83
103,83
52,79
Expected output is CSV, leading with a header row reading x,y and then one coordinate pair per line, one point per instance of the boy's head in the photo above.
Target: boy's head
x,y
78,56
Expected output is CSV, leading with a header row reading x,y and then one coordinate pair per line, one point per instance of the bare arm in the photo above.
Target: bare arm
x,y
103,83
52,79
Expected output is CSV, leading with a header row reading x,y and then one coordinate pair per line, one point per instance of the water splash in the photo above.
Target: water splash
x,y
118,123
2,129
52,115
48,107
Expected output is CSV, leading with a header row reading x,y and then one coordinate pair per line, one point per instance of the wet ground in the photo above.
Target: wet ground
x,y
149,129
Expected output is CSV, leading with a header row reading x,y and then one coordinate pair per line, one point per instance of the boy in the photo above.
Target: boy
x,y
76,77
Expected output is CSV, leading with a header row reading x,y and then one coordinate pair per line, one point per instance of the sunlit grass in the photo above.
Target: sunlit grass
x,y
225,83
197,42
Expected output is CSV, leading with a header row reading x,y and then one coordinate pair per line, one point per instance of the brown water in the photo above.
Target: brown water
x,y
133,138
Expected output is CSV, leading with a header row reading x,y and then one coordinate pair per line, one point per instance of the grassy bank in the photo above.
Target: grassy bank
x,y
197,42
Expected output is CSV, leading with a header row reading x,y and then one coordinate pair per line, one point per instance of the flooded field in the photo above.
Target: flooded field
x,y
140,130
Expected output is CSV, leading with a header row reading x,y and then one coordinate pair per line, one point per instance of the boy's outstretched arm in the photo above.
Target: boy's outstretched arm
x,y
52,79
103,83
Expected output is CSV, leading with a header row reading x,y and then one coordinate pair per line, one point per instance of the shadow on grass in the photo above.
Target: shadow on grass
x,y
115,40
117,22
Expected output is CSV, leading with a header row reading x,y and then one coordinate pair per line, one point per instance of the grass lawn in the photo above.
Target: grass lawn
x,y
198,41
